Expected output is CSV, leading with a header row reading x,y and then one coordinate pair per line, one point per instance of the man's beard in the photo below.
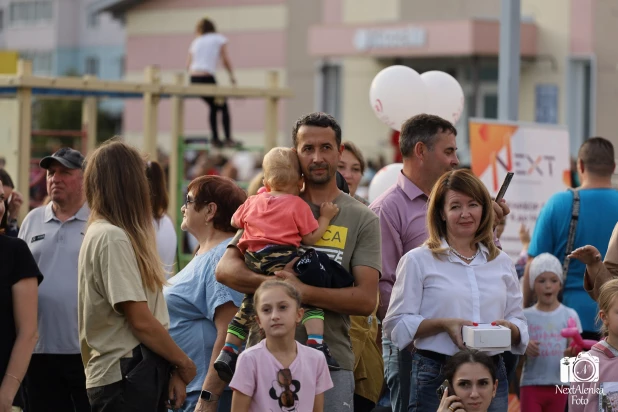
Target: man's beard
x,y
320,180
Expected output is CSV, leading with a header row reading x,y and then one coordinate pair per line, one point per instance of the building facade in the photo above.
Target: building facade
x,y
63,37
328,52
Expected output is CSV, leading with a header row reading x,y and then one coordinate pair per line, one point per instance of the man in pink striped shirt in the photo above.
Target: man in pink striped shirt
x,y
428,146
429,149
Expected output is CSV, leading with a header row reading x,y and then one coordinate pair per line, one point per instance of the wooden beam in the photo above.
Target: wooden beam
x,y
23,129
89,121
175,157
98,85
272,124
151,104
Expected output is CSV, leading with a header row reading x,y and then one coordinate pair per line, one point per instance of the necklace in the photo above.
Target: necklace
x,y
462,257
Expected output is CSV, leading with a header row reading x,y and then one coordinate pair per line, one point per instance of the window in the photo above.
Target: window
x,y
93,20
41,61
490,106
92,66
30,12
331,89
121,67
1,20
581,97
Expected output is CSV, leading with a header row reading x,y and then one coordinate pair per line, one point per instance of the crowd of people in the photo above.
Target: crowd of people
x,y
300,295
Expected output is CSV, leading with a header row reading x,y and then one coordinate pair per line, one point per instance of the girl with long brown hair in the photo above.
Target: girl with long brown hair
x,y
123,318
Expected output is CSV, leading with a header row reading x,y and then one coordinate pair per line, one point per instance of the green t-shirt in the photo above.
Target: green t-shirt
x,y
352,239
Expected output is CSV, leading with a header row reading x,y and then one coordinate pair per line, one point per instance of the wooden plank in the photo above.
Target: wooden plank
x,y
23,128
151,114
176,134
75,83
271,124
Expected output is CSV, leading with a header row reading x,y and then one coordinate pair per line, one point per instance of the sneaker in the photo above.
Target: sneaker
x,y
216,143
225,365
232,143
333,365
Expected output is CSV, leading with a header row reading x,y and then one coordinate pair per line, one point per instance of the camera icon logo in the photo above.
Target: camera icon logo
x,y
582,368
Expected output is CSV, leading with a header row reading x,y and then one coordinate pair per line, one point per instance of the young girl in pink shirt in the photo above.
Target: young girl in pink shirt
x,y
279,374
600,393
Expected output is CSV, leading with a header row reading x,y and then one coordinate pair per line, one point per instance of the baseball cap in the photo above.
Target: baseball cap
x,y
66,156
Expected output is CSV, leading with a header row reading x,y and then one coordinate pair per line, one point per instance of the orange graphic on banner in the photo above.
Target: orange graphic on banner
x,y
486,141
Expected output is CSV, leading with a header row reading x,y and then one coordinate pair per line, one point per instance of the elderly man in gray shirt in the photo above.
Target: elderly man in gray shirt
x,y
54,233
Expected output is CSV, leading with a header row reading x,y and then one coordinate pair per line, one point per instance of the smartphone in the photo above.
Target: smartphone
x,y
505,185
440,391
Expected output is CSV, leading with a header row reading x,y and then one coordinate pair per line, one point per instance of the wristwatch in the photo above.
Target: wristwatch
x,y
208,396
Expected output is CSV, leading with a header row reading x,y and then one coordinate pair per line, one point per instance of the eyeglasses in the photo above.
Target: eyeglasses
x,y
284,377
188,200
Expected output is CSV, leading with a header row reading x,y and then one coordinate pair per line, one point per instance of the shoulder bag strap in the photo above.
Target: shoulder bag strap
x,y
572,228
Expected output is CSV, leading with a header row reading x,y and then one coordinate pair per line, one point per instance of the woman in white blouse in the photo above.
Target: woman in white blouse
x,y
458,277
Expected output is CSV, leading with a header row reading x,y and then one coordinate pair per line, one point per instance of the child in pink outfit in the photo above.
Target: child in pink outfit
x,y
279,374
601,394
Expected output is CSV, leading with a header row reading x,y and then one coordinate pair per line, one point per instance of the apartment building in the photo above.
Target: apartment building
x,y
63,36
328,52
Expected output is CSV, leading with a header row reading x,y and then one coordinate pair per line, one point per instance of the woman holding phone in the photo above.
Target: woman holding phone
x,y
471,382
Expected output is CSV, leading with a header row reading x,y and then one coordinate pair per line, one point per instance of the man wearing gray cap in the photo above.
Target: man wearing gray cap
x,y
54,233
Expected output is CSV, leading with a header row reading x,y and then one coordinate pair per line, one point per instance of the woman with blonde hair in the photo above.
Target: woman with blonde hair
x,y
123,320
457,278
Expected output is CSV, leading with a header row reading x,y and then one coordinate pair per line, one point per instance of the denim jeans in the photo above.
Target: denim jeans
x,y
397,366
427,375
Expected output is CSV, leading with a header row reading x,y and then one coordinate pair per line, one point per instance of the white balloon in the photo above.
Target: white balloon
x,y
396,94
385,178
445,95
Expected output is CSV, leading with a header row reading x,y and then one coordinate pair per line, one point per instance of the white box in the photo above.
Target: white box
x,y
486,337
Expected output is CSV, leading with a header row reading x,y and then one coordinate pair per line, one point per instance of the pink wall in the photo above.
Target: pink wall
x,y
248,115
188,4
443,38
581,27
260,49
332,11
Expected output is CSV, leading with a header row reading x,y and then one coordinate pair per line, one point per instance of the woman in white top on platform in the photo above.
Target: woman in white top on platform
x,y
458,277
204,54
167,241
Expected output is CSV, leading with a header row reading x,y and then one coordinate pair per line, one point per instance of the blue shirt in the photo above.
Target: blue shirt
x,y
192,297
598,214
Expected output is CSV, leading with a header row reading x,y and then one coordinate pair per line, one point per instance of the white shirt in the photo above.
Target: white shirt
x,y
205,51
432,288
166,242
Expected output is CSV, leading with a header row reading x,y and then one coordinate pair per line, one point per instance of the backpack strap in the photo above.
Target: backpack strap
x,y
572,229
